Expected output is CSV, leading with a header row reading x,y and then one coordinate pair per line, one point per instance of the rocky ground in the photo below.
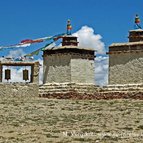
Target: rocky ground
x,y
43,120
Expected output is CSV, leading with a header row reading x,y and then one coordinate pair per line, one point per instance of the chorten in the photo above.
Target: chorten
x,y
69,63
126,59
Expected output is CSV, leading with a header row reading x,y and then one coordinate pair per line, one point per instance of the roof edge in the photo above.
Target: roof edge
x,y
126,44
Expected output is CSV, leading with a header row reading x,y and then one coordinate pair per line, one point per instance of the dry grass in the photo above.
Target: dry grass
x,y
40,120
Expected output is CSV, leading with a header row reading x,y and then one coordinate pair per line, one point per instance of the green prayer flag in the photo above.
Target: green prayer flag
x,y
33,53
43,48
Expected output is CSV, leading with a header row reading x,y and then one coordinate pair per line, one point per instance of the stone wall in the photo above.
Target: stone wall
x,y
54,88
19,89
125,68
36,70
69,67
96,96
57,68
82,71
89,91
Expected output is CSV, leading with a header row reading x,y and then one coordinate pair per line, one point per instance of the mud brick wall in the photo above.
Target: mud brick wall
x,y
126,68
57,68
69,66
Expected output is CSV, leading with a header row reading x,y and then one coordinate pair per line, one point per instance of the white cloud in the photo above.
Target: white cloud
x,y
16,53
88,39
101,70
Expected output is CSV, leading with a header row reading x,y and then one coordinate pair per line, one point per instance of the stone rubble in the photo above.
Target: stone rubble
x,y
97,96
87,91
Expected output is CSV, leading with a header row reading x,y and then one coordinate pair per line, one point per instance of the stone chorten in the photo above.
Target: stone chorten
x,y
68,68
126,60
69,63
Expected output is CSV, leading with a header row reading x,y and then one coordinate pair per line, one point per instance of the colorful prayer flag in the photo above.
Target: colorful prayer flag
x,y
33,53
28,42
137,22
46,46
69,27
137,19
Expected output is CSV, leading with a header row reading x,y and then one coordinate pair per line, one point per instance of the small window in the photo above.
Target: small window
x,y
16,74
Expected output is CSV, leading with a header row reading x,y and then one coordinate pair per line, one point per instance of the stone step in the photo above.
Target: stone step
x,y
124,86
86,88
65,89
121,89
81,91
68,87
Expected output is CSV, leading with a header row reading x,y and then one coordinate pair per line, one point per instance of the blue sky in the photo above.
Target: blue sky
x,y
22,19
31,19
